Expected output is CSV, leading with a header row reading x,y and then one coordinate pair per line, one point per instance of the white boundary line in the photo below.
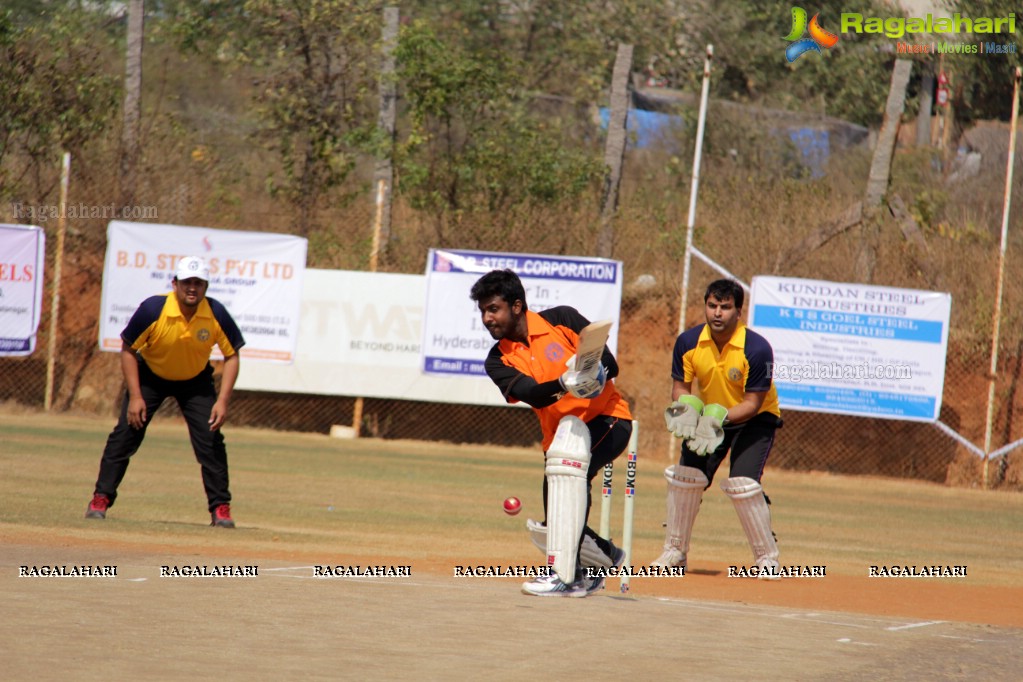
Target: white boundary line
x,y
849,620
857,621
837,618
861,622
910,626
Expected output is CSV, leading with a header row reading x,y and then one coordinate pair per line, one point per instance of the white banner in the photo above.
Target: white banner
x,y
454,339
854,349
256,275
22,264
359,335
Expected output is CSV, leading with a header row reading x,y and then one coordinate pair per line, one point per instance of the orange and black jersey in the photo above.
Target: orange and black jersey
x,y
529,373
174,348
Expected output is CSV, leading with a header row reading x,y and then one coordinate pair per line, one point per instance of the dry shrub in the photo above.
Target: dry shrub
x,y
201,168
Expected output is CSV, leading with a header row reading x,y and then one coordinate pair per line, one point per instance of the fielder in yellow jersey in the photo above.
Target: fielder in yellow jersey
x,y
165,352
734,409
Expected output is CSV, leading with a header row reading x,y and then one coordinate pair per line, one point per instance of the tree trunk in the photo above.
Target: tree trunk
x,y
132,105
614,150
880,171
384,171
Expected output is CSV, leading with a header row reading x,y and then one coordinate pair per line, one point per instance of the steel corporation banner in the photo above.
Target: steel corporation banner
x,y
854,349
455,341
22,262
256,275
359,335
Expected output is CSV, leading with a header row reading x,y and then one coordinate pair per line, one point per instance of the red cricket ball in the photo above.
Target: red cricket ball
x,y
512,506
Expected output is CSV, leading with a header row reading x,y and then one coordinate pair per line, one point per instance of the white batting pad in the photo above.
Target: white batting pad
x,y
590,554
538,535
685,491
567,461
748,497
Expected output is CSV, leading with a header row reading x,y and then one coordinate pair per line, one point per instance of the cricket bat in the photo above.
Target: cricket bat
x,y
592,339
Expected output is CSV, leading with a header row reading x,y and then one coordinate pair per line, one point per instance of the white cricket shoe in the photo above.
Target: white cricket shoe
x,y
768,569
671,557
552,586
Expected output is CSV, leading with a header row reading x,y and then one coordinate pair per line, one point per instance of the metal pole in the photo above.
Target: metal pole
x,y
374,256
697,155
384,170
996,323
58,258
691,222
378,221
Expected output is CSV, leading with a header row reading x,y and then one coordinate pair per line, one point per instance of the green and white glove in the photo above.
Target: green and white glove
x,y
682,416
709,430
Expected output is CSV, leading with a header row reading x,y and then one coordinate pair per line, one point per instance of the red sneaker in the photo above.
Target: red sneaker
x,y
98,507
221,516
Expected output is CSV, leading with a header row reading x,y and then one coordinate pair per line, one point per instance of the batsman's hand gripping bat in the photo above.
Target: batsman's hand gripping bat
x,y
586,376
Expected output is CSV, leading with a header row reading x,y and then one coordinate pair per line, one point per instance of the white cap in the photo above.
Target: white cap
x,y
192,267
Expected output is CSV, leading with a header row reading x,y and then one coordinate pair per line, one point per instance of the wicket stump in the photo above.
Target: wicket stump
x,y
630,494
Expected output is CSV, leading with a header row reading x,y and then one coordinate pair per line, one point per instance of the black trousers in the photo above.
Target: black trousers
x,y
609,436
750,443
195,397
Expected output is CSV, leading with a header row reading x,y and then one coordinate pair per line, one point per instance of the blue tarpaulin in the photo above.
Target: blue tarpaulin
x,y
647,128
814,145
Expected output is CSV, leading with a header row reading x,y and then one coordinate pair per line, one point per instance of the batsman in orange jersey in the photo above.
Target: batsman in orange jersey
x,y
584,419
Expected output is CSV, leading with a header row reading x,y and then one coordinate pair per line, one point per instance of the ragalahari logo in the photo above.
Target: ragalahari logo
x,y
819,38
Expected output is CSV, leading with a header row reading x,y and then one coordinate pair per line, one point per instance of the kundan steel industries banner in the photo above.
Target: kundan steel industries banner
x,y
359,335
257,275
454,339
22,264
854,349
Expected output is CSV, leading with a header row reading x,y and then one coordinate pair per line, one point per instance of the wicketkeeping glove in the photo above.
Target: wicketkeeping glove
x,y
682,416
584,384
709,430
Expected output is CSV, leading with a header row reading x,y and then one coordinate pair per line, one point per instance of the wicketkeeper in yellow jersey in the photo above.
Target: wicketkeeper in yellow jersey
x,y
736,410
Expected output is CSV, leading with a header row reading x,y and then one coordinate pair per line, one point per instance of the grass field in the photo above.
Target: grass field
x,y
302,500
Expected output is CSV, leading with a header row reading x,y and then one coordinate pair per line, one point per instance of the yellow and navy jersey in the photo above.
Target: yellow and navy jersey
x,y
174,348
553,339
725,376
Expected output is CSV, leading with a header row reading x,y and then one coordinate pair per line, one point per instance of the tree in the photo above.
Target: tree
x,y
848,80
313,64
474,142
560,48
130,149
982,85
39,12
57,95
